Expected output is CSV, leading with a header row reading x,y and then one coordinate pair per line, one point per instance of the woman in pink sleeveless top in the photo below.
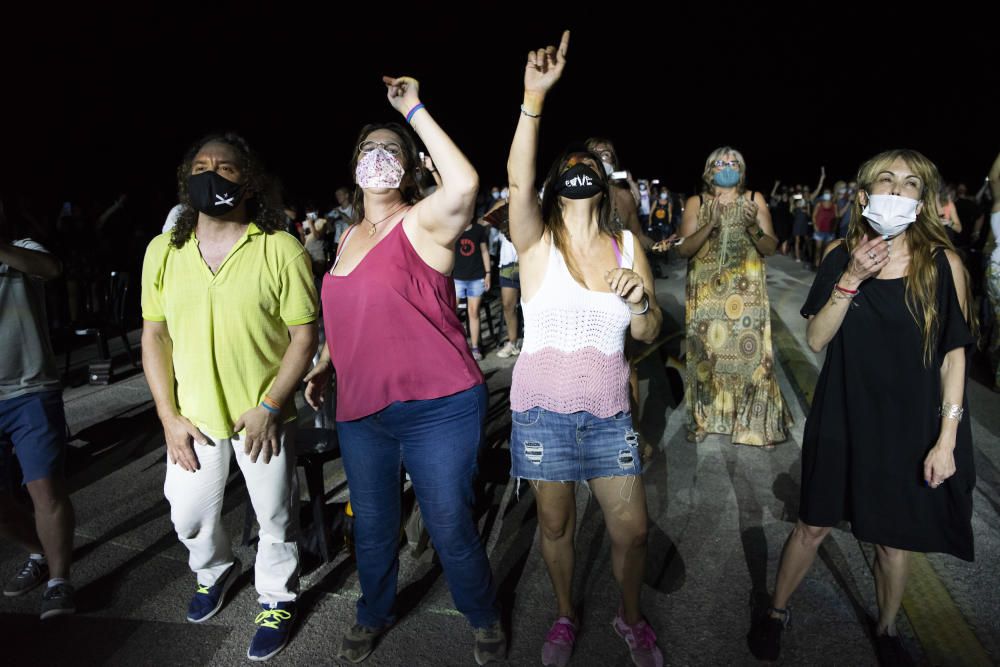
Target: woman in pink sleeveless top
x,y
584,285
408,390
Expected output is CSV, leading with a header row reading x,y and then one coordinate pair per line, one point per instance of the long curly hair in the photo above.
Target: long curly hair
x,y
925,238
409,187
263,199
552,208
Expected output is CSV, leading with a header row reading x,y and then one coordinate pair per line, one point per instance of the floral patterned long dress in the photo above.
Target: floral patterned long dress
x,y
731,387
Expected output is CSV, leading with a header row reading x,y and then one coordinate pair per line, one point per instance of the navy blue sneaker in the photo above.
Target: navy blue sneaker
x,y
207,600
274,626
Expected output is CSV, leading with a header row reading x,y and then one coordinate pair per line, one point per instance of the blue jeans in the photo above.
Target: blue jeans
x,y
438,442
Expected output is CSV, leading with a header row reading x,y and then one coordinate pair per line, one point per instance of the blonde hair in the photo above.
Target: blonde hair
x,y
718,154
925,237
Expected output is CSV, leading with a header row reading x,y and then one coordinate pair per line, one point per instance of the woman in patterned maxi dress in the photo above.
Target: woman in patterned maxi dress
x,y
731,388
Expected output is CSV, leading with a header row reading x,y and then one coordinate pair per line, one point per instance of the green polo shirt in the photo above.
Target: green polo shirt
x,y
229,329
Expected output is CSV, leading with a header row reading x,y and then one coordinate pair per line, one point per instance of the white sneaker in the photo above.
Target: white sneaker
x,y
508,350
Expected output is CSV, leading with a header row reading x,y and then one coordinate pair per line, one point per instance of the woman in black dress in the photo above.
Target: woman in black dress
x,y
885,446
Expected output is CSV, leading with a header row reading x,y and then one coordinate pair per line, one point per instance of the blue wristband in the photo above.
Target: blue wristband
x,y
273,411
415,109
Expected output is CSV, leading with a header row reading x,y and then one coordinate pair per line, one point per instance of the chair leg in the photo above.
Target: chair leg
x,y
102,346
68,338
128,348
314,482
489,322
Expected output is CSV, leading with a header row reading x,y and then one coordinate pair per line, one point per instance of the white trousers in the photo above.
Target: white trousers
x,y
196,510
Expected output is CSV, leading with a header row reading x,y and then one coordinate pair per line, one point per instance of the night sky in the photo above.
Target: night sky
x,y
102,101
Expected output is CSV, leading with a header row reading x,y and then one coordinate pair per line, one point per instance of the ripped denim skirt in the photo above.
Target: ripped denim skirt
x,y
575,447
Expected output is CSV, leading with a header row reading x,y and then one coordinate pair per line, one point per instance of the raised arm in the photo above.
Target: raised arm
x,y
543,69
111,210
444,214
819,186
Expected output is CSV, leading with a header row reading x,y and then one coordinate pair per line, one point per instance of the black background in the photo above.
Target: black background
x,y
103,100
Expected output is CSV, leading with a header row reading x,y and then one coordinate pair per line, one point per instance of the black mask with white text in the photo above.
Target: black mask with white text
x,y
579,182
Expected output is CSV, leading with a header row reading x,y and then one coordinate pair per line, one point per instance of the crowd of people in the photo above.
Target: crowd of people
x,y
237,288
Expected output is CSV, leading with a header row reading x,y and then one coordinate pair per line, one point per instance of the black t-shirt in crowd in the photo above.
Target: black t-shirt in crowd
x,y
469,254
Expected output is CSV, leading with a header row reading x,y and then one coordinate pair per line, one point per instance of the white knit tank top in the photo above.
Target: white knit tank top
x,y
573,357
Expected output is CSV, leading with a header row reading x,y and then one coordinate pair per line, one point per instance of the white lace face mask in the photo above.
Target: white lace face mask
x,y
890,215
379,169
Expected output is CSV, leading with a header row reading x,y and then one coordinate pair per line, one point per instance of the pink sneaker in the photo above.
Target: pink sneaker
x,y
558,646
641,642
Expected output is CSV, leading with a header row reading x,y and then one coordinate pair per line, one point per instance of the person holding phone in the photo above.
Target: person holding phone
x,y
585,284
885,445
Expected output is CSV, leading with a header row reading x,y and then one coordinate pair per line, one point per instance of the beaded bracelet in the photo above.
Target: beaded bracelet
x,y
529,114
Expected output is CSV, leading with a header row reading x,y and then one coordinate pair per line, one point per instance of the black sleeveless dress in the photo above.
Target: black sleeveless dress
x,y
874,418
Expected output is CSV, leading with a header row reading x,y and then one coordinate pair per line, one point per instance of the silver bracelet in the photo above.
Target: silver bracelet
x,y
951,411
529,114
644,310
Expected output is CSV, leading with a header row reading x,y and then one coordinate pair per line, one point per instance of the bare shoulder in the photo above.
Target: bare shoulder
x,y
957,266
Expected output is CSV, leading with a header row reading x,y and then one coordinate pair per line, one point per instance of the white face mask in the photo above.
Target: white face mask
x,y
890,215
608,168
504,193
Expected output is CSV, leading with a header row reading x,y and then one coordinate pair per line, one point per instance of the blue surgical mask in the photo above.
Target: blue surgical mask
x,y
727,178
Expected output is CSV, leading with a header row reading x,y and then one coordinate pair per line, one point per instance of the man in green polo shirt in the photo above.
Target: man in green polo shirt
x,y
229,310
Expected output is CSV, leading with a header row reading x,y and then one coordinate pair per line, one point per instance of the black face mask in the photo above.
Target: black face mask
x,y
214,195
579,182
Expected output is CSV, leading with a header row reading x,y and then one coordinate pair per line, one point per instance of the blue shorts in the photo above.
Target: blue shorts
x,y
510,276
467,288
576,447
825,237
36,425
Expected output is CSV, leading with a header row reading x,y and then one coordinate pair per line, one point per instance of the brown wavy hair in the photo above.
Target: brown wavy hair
x,y
552,209
263,200
413,171
926,237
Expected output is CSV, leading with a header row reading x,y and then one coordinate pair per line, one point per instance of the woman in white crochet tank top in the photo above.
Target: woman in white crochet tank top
x,y
583,286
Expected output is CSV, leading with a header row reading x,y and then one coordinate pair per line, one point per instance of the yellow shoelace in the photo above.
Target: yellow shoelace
x,y
272,617
203,589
